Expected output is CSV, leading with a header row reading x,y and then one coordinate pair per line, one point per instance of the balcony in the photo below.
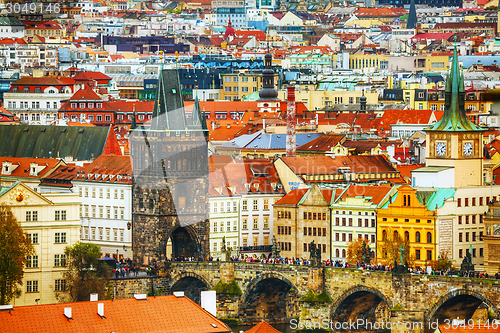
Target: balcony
x,y
258,248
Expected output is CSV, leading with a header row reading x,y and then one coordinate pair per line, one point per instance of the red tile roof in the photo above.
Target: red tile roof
x,y
293,197
87,76
43,81
392,117
258,174
323,143
155,314
22,165
324,165
377,12
263,327
376,193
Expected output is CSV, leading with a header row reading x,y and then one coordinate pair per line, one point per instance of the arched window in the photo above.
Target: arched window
x,y
417,237
337,253
343,253
384,234
396,235
429,237
407,236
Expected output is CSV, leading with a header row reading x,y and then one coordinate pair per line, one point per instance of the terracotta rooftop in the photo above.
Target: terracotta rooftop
x,y
321,165
323,143
21,167
153,314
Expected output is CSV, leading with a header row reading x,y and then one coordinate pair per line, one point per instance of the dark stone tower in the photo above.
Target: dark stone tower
x,y
170,187
268,92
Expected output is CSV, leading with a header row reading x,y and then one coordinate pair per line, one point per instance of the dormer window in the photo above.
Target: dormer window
x,y
73,105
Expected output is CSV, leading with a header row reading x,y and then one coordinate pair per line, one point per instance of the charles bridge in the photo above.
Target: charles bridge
x,y
250,292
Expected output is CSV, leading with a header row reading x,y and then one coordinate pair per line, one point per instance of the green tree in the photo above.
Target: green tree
x,y
86,274
15,246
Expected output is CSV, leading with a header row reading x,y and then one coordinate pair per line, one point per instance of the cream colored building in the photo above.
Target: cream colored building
x,y
52,222
460,224
319,99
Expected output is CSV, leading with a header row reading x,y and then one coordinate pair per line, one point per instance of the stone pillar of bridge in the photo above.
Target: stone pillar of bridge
x,y
315,278
227,272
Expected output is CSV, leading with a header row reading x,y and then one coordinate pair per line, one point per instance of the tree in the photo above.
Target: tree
x,y
86,274
15,246
356,250
390,251
443,263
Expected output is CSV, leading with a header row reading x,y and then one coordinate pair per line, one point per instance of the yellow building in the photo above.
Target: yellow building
x,y
370,62
320,99
235,86
52,222
405,216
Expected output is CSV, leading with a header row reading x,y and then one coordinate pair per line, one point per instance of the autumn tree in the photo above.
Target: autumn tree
x,y
390,248
443,263
357,252
86,274
15,246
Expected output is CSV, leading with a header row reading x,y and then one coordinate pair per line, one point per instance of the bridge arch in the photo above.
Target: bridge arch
x,y
191,284
459,303
361,302
269,296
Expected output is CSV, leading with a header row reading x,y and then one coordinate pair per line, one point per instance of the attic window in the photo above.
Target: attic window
x,y
73,105
174,91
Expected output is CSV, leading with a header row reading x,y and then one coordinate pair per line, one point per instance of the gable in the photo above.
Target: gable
x,y
21,195
314,197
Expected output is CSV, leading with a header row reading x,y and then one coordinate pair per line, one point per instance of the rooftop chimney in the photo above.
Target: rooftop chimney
x,y
67,313
178,294
100,309
94,297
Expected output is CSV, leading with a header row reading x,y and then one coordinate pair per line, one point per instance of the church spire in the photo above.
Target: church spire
x,y
454,117
411,22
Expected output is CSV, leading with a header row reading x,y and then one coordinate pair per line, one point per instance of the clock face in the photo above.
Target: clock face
x,y
441,148
468,148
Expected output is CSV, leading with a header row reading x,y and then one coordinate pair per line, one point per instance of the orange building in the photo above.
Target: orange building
x,y
408,215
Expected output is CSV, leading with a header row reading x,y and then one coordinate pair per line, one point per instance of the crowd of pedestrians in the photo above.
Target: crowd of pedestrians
x,y
126,269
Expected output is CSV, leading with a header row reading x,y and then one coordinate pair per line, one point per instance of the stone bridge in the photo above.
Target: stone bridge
x,y
251,292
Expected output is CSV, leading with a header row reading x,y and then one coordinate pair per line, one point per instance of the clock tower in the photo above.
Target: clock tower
x,y
455,141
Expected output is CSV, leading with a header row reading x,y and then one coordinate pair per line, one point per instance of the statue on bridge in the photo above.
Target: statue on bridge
x,y
314,254
401,268
467,265
275,248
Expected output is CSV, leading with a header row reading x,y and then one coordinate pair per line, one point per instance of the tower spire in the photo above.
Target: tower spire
x,y
411,22
454,117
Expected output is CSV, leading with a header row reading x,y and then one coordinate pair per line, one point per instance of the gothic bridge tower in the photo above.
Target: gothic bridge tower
x,y
170,186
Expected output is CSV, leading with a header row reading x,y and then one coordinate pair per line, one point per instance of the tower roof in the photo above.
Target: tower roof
x,y
168,112
411,22
454,117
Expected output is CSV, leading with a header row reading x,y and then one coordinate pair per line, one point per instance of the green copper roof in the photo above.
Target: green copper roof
x,y
454,117
43,141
